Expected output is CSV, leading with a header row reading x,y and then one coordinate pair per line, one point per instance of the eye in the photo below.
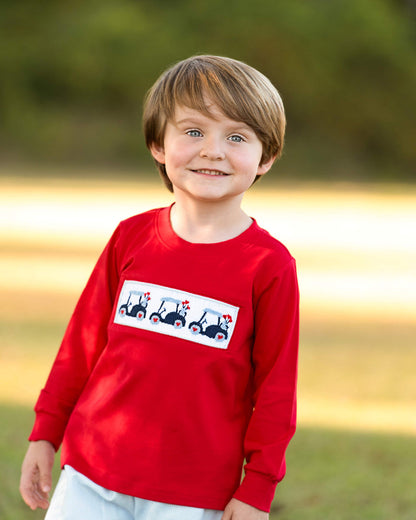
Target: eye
x,y
236,138
194,133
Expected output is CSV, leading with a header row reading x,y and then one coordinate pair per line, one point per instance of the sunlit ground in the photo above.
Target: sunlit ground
x,y
356,253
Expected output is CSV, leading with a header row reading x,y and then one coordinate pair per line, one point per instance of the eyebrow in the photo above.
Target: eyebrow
x,y
186,120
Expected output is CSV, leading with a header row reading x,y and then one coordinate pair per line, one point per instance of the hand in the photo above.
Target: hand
x,y
237,510
36,479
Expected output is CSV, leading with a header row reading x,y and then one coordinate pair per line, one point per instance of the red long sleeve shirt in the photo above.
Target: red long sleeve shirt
x,y
179,362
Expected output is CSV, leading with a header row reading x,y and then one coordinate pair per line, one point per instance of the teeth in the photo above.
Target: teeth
x,y
210,172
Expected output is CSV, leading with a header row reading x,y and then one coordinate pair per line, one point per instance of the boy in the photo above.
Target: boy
x,y
180,359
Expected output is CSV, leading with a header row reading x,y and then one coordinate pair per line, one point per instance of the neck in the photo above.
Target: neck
x,y
208,222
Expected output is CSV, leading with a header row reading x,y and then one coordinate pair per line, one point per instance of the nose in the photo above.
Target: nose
x,y
212,149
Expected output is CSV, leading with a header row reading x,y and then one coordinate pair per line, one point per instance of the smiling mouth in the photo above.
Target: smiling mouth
x,y
213,173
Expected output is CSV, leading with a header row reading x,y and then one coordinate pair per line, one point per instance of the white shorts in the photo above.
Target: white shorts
x,y
77,498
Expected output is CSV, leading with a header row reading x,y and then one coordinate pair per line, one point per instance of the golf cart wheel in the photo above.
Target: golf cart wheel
x,y
140,315
122,311
195,328
220,336
178,324
155,318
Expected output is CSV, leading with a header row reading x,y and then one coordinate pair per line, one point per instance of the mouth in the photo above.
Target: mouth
x,y
212,173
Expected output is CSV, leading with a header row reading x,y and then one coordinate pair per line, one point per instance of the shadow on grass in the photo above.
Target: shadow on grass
x,y
333,475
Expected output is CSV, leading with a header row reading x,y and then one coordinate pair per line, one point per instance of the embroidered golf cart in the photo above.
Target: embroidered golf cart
x,y
171,317
207,325
136,305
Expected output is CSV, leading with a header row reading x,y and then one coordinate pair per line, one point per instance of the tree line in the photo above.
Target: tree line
x,y
73,75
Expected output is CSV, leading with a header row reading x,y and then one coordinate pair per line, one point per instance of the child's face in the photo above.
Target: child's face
x,y
210,158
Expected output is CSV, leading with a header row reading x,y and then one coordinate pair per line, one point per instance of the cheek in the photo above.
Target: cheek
x,y
248,161
177,156
173,161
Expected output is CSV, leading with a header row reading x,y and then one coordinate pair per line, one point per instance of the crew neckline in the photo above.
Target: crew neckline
x,y
171,239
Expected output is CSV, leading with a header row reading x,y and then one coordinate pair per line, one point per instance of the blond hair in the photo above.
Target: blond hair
x,y
241,92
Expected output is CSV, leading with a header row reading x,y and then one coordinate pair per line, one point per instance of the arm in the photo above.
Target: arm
x,y
274,359
82,345
36,479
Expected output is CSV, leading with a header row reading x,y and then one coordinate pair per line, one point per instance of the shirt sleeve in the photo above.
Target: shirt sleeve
x,y
275,355
84,340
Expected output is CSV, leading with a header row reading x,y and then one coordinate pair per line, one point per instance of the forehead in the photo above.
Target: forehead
x,y
184,115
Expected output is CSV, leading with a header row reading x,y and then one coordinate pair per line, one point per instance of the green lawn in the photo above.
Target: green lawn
x,y
338,475
334,475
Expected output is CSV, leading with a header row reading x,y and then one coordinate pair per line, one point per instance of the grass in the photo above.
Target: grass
x,y
16,424
342,475
332,474
352,455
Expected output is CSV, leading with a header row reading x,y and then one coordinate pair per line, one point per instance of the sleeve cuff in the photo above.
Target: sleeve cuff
x,y
257,491
47,428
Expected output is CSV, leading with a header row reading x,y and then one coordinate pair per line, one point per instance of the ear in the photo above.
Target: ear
x,y
265,167
158,153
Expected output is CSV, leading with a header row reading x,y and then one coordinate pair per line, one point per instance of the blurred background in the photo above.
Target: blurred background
x,y
342,198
